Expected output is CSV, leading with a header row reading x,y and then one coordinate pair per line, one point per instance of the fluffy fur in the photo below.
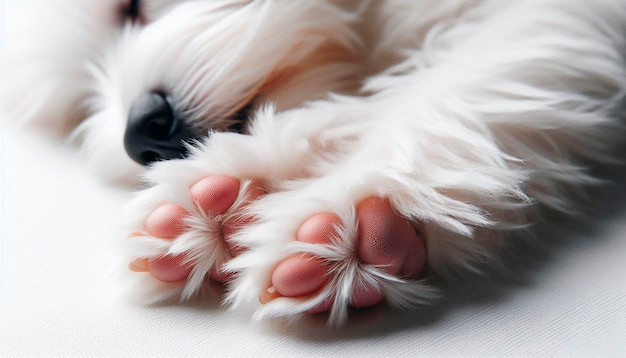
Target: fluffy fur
x,y
467,114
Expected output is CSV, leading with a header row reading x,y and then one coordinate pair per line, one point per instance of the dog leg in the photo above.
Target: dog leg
x,y
332,243
459,150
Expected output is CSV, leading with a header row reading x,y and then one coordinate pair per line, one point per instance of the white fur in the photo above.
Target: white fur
x,y
466,114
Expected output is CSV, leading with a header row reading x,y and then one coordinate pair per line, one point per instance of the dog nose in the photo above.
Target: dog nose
x,y
153,132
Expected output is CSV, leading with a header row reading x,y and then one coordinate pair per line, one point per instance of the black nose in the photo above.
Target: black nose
x,y
153,132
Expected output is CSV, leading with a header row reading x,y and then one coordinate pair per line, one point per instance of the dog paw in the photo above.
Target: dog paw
x,y
336,262
187,241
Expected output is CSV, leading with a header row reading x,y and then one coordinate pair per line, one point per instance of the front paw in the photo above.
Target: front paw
x,y
334,262
182,244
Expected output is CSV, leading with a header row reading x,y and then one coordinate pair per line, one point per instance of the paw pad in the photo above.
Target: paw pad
x,y
194,240
385,242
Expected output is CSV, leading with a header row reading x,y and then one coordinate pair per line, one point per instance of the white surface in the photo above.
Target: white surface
x,y
57,298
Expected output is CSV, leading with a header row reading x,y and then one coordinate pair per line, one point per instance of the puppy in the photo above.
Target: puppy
x,y
321,155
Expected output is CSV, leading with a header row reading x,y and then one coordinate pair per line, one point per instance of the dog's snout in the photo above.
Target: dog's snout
x,y
153,131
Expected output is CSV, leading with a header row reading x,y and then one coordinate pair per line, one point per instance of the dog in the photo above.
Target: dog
x,y
315,156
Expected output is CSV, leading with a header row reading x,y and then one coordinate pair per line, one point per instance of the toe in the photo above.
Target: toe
x,y
415,261
215,194
169,268
365,296
319,229
166,221
301,275
387,240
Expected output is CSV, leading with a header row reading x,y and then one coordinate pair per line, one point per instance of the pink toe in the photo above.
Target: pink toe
x,y
322,307
215,194
299,275
166,221
319,229
384,238
169,268
415,261
365,297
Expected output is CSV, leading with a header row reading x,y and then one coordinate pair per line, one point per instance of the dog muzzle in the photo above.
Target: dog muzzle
x,y
154,132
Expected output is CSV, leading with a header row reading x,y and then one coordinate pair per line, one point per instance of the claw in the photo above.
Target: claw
x,y
136,234
139,265
269,294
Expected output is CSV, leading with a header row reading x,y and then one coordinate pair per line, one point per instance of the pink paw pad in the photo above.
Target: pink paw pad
x,y
385,240
214,195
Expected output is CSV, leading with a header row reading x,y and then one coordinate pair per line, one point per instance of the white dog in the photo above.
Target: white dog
x,y
337,153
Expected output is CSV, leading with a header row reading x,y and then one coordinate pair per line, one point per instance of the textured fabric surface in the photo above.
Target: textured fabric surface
x,y
59,297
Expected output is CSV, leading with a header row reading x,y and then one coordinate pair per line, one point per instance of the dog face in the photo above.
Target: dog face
x,y
138,81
